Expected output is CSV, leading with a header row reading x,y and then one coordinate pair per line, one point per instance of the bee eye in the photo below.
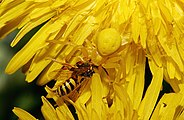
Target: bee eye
x,y
64,68
78,64
86,65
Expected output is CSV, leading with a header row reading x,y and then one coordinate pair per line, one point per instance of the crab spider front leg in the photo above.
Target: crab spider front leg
x,y
117,68
64,64
115,63
75,49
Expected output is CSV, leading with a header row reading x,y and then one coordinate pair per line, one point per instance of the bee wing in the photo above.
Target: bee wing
x,y
60,74
78,90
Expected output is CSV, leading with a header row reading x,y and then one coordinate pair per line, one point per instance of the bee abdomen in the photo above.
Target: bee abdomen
x,y
67,87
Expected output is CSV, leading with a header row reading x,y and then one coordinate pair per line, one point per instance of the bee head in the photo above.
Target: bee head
x,y
88,73
82,64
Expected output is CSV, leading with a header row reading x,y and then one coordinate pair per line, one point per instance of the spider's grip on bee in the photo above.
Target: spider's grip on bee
x,y
80,74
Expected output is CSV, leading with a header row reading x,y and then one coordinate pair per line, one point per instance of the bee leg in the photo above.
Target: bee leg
x,y
71,97
74,96
52,94
67,100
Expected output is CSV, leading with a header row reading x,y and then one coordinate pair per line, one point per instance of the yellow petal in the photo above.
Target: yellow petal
x,y
124,12
130,59
171,69
170,106
22,114
176,57
165,12
11,20
81,111
139,79
171,50
156,17
131,82
173,82
180,49
156,114
75,22
28,51
154,51
58,3
10,14
29,26
118,108
39,64
125,109
85,30
48,110
178,74
64,113
149,101
96,97
143,34
136,26
10,27
46,76
38,0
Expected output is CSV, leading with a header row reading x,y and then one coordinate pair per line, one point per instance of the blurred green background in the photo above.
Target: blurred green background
x,y
14,90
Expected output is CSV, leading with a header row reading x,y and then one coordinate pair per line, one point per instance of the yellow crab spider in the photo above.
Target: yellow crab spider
x,y
108,41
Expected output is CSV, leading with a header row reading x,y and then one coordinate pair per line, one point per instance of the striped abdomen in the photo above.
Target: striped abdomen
x,y
67,87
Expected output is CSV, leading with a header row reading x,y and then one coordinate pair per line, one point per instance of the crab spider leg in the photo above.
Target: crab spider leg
x,y
61,42
64,64
75,49
117,67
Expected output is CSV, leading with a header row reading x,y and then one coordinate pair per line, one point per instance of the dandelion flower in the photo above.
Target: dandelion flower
x,y
48,112
170,107
75,30
86,107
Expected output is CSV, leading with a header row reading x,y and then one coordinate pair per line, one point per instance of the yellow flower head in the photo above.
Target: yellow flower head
x,y
116,36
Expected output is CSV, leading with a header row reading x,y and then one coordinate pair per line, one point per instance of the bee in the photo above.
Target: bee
x,y
77,77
